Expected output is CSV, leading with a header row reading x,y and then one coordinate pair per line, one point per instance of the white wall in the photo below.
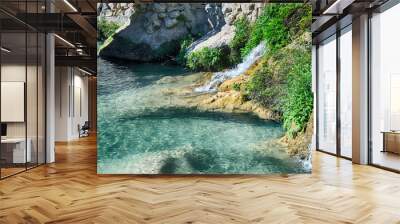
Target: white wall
x,y
71,94
62,81
33,126
17,73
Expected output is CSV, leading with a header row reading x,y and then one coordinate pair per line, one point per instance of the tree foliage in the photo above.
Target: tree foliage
x,y
208,59
283,83
242,30
106,29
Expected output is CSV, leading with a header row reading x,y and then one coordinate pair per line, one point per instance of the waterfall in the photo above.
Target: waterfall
x,y
220,77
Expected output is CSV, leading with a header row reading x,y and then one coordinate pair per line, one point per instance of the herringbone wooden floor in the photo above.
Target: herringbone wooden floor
x,y
70,191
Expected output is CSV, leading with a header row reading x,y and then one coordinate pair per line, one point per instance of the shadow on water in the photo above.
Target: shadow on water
x,y
170,165
182,112
208,161
202,160
114,77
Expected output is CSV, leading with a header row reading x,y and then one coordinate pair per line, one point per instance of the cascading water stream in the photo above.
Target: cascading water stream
x,y
220,77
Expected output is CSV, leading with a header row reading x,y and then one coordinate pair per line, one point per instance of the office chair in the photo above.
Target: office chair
x,y
84,130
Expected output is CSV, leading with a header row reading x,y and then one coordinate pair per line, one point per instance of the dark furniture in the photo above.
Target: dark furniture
x,y
3,129
391,141
84,130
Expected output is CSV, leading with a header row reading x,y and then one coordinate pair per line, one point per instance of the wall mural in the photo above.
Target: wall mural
x,y
187,88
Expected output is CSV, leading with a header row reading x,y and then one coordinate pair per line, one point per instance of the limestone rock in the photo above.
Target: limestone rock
x,y
170,22
159,7
174,14
214,40
119,13
224,34
155,31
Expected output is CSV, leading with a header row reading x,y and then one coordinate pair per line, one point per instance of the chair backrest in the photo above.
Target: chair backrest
x,y
86,125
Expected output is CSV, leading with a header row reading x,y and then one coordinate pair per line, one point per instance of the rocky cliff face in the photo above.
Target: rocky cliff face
x,y
119,13
231,12
155,30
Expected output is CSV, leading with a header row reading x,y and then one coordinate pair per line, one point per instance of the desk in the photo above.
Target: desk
x,y
19,155
391,141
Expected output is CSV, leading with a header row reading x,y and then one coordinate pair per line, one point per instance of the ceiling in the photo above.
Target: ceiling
x,y
73,21
332,15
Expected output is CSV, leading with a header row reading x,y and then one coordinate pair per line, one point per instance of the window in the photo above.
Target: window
x,y
346,92
22,77
327,95
385,89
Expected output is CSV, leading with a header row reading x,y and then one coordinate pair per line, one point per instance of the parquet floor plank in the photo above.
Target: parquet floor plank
x,y
70,191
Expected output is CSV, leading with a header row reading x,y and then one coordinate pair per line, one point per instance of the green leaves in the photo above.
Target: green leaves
x,y
242,30
106,29
283,84
298,103
207,59
236,86
275,26
185,43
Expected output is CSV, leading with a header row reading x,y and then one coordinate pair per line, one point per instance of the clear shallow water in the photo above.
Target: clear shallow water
x,y
143,130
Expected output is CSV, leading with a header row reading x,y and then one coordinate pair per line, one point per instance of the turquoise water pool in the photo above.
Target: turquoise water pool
x,y
143,130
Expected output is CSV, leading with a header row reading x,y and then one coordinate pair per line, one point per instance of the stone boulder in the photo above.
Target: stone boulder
x,y
224,34
233,11
119,13
155,31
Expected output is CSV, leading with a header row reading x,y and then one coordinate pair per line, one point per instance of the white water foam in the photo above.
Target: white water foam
x,y
220,77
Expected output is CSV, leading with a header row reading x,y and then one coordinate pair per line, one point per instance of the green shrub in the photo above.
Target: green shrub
x,y
185,43
106,29
266,87
283,83
298,103
236,86
242,30
208,59
274,26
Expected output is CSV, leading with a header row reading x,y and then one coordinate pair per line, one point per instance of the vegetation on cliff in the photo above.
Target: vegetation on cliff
x,y
242,31
208,59
106,29
282,81
283,84
277,26
216,59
